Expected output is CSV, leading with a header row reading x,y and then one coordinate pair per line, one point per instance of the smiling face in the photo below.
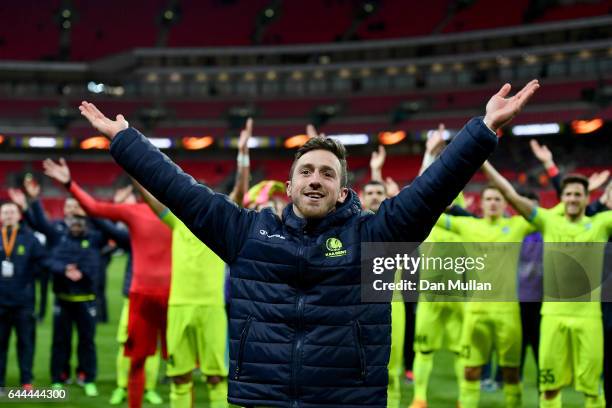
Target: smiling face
x,y
315,185
9,215
575,199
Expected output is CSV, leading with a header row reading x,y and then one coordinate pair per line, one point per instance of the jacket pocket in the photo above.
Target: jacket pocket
x,y
243,336
363,368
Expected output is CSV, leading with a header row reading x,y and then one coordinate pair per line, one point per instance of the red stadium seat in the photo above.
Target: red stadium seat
x,y
395,19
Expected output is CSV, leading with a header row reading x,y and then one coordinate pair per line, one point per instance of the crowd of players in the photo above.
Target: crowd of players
x,y
176,291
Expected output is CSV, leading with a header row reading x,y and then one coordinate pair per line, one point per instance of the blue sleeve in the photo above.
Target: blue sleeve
x,y
38,220
39,257
212,217
111,231
556,182
410,216
57,266
595,207
459,211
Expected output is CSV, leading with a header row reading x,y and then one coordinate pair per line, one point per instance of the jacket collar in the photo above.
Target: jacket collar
x,y
343,212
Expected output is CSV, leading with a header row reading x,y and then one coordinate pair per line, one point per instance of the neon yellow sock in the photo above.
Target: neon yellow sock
x,y
469,393
513,395
597,401
123,368
180,395
217,392
421,367
152,370
396,360
394,391
550,403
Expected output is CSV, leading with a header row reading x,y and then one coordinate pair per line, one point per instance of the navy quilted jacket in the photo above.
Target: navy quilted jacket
x,y
299,334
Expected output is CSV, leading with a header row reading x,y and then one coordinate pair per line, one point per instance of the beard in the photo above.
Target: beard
x,y
313,210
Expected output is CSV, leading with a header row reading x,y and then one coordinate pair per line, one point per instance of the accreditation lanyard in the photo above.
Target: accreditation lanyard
x,y
9,243
8,269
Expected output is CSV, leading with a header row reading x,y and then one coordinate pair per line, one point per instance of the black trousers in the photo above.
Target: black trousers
x,y
65,316
43,284
22,319
101,304
410,308
530,322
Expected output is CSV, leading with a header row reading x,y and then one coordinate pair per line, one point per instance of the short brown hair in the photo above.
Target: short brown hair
x,y
324,143
490,187
575,178
374,183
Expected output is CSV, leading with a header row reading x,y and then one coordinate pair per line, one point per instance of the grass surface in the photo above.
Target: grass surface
x,y
442,389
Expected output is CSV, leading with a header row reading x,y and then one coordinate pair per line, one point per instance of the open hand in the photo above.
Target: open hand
x,y
18,197
598,179
57,171
435,143
101,123
391,187
377,159
311,131
245,135
541,152
501,110
31,187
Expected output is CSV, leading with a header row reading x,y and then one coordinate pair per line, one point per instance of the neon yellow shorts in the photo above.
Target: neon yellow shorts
x,y
197,333
438,326
571,348
484,331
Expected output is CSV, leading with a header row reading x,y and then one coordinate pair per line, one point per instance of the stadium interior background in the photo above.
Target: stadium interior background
x,y
189,72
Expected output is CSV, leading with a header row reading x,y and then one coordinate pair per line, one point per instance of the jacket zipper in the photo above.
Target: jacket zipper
x,y
243,336
360,350
299,342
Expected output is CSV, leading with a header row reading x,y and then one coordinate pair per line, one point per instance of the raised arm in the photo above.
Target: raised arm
x,y
111,231
157,207
60,172
545,156
522,205
212,217
243,173
33,214
433,147
377,161
412,213
603,203
598,179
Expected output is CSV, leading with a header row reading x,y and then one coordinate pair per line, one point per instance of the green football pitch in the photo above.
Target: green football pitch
x,y
442,389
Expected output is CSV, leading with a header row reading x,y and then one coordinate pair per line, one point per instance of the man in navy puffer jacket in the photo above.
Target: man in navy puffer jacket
x,y
299,334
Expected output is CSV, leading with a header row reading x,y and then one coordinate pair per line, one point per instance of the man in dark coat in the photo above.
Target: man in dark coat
x,y
300,336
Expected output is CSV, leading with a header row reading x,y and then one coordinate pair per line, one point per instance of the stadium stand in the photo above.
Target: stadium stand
x,y
396,19
318,21
92,36
20,21
206,23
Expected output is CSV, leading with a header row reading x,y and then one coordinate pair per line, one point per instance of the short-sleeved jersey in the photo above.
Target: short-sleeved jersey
x,y
502,260
198,274
572,269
